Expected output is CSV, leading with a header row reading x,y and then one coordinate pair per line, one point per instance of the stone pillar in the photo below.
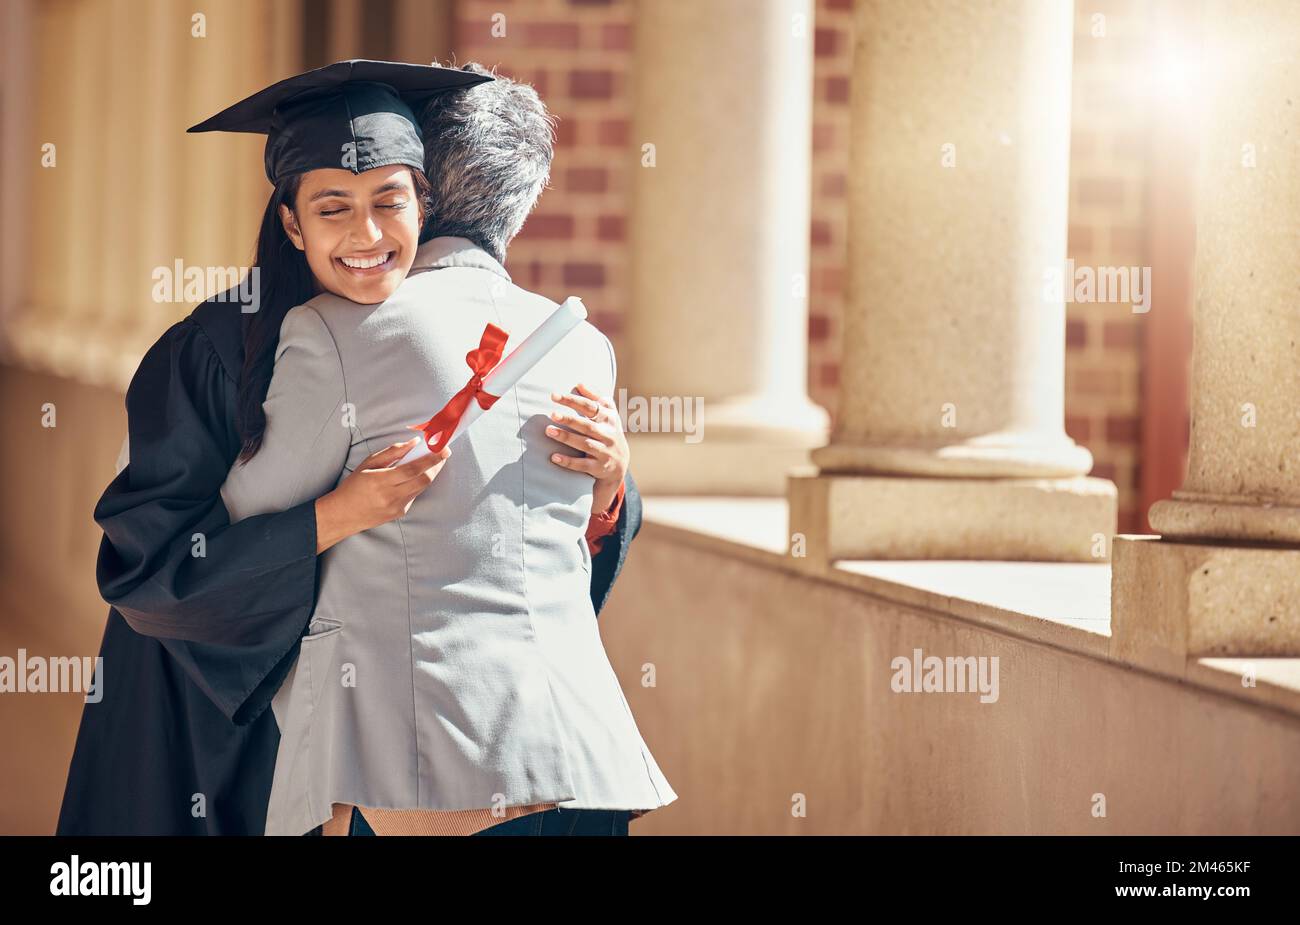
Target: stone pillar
x,y
346,34
144,193
18,45
950,439
1212,585
719,244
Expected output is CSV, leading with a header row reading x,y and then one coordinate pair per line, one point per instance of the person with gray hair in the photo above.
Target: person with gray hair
x,y
487,154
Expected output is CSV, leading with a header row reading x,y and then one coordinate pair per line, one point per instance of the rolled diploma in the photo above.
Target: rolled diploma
x,y
519,361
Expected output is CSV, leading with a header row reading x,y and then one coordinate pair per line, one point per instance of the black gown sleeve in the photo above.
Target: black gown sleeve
x,y
229,602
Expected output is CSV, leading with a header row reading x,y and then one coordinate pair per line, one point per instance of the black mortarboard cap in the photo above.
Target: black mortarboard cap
x,y
354,115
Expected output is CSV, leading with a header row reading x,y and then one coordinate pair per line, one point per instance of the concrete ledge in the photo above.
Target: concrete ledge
x,y
1066,606
761,663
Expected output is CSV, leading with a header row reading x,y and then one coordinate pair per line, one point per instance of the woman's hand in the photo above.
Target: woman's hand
x,y
376,492
599,434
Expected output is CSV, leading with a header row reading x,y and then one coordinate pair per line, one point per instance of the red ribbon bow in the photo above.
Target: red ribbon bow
x,y
482,359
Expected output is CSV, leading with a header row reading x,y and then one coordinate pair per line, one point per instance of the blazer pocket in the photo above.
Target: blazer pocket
x,y
320,627
317,652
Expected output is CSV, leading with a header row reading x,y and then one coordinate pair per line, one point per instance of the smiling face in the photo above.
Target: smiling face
x,y
359,231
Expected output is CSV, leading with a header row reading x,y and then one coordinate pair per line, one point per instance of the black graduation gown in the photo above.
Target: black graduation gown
x,y
196,646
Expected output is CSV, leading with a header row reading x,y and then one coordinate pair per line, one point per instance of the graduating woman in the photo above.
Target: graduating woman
x,y
207,616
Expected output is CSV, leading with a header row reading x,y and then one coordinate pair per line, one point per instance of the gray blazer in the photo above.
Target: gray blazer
x,y
454,660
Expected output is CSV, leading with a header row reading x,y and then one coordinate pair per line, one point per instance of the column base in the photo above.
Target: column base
x,y
1031,456
883,517
1171,601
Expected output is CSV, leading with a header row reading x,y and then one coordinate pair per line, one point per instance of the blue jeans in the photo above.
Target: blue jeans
x,y
557,821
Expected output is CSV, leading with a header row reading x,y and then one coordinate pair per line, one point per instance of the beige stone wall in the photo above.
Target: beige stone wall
x,y
768,685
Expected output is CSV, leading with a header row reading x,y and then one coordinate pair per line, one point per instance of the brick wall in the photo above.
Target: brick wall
x,y
578,54
1107,228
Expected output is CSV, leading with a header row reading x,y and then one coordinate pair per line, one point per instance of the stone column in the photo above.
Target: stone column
x,y
719,244
18,44
346,35
1224,579
950,439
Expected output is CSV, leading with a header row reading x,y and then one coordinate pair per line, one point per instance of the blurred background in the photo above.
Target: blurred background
x,y
112,84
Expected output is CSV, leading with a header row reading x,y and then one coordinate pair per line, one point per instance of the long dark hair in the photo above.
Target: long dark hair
x,y
285,281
